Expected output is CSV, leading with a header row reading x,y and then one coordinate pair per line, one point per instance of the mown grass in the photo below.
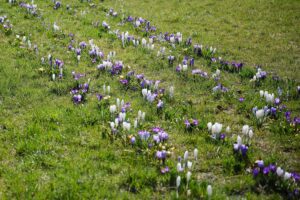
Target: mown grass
x,y
53,149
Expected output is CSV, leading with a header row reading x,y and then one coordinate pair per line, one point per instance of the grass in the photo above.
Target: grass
x,y
53,149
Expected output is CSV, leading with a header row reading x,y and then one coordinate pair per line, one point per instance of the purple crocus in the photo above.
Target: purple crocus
x,y
255,171
82,45
160,104
187,123
130,19
77,98
288,116
241,99
195,122
163,136
132,140
124,81
161,155
144,135
222,136
266,170
277,101
57,5
260,163
156,138
157,129
273,111
164,170
244,149
99,97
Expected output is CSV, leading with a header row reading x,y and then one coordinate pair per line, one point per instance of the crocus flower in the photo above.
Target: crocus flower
x,y
164,170
279,171
160,104
144,135
255,171
99,97
132,140
266,170
196,154
244,149
209,191
287,176
188,177
260,114
260,163
186,155
77,98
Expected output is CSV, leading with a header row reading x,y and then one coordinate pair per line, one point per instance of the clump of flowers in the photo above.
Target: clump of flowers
x,y
274,178
79,91
5,24
240,148
216,130
191,124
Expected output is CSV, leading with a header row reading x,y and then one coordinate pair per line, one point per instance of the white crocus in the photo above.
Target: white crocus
x,y
209,191
228,130
287,175
245,130
178,180
209,125
261,93
186,155
196,154
260,114
216,128
279,171
239,140
112,108
189,164
250,133
188,177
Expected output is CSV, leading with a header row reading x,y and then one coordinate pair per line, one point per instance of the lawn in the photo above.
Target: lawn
x,y
217,81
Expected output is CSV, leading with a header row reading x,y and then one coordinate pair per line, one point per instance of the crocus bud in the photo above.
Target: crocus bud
x,y
239,140
245,129
196,154
179,168
188,176
209,190
178,181
112,108
260,113
186,155
261,93
189,164
287,175
209,125
228,129
250,133
279,171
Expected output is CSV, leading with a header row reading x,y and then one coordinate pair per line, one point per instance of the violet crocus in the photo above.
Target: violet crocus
x,y
241,99
164,170
255,171
132,140
99,97
77,98
144,135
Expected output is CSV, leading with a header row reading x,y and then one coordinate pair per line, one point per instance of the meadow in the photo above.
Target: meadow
x,y
150,99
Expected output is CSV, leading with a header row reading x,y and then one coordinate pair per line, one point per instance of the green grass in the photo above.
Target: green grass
x,y
53,149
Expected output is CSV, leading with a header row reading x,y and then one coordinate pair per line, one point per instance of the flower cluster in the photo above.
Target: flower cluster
x,y
276,178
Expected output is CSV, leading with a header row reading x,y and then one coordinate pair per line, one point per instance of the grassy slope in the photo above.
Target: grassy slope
x,y
53,149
